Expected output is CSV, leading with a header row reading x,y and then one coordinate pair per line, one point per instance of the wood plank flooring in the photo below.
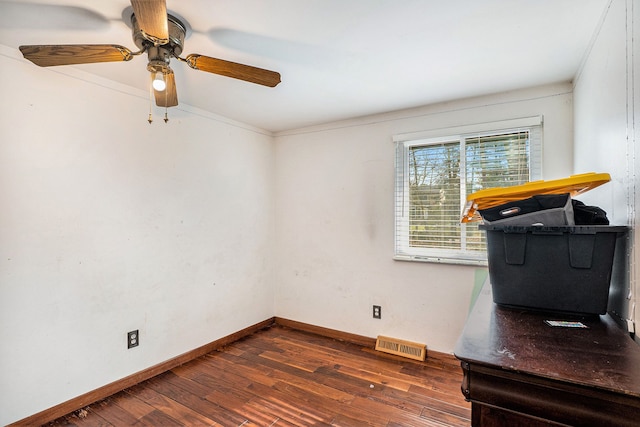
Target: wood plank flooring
x,y
283,377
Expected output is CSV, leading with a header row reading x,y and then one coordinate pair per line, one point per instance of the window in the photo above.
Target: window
x,y
434,175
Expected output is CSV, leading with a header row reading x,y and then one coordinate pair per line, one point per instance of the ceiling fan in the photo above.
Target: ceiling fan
x,y
161,36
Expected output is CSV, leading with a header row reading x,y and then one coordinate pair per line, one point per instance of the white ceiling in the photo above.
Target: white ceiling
x,y
338,59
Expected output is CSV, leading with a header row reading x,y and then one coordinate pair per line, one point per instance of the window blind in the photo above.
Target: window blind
x,y
434,176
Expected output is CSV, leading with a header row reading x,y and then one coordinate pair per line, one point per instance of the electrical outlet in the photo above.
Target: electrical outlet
x,y
133,339
377,312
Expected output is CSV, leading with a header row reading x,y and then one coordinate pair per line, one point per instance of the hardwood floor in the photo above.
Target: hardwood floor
x,y
283,377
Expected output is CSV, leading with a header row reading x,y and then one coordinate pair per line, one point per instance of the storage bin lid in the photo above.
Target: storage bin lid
x,y
555,230
574,185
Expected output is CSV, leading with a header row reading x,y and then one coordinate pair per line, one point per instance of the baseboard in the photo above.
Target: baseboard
x,y
103,392
55,412
326,332
434,358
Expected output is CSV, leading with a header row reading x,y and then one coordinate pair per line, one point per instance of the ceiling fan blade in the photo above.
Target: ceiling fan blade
x,y
69,54
152,18
233,69
169,96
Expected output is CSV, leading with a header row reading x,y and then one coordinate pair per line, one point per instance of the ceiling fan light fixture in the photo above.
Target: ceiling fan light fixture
x,y
159,82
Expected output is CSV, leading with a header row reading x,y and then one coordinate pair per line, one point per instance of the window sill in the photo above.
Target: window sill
x,y
441,260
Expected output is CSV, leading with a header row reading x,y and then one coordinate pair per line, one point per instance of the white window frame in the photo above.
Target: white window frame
x,y
405,141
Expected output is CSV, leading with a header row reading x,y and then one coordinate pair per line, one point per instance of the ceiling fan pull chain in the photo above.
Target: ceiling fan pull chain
x,y
166,116
150,119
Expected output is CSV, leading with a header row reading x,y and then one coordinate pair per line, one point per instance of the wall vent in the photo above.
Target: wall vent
x,y
402,348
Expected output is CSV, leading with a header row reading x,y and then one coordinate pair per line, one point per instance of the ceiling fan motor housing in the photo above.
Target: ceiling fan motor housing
x,y
177,31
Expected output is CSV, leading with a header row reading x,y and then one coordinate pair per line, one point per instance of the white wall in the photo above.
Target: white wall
x,y
109,224
607,118
334,219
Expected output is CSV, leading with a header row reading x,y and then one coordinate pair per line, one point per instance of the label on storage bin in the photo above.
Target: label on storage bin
x,y
565,324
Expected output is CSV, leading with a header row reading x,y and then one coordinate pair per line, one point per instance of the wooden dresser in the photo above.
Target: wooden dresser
x,y
519,371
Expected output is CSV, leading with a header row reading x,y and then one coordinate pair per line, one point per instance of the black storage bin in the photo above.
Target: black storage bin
x,y
560,269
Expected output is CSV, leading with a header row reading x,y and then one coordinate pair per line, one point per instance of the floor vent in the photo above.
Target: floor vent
x,y
402,348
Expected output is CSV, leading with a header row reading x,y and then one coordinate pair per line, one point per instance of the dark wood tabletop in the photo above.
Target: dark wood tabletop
x,y
601,355
600,361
